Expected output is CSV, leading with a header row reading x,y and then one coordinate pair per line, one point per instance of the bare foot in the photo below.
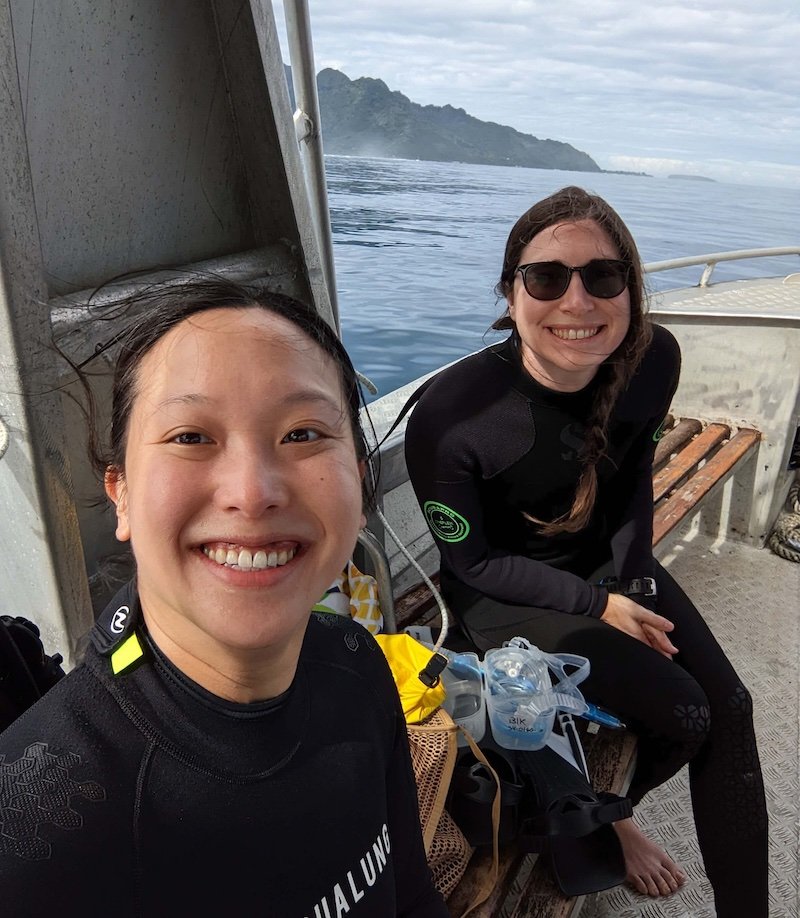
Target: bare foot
x,y
650,870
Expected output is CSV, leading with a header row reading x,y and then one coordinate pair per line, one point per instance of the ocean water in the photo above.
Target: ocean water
x,y
418,246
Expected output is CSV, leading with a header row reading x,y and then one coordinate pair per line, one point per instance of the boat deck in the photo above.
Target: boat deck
x,y
776,298
749,597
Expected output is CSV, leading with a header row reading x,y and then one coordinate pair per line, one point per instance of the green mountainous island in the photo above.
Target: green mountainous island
x,y
364,117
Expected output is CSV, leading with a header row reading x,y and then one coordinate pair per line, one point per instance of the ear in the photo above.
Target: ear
x,y
117,491
510,301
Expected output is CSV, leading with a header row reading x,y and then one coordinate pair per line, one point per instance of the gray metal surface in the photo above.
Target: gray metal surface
x,y
133,135
751,599
41,559
157,133
759,299
740,343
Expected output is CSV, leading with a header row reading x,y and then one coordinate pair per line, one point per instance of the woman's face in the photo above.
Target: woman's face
x,y
241,492
564,341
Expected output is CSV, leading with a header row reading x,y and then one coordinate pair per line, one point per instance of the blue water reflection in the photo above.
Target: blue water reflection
x,y
418,246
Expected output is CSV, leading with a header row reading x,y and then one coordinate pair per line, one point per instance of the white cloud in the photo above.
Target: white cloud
x,y
701,81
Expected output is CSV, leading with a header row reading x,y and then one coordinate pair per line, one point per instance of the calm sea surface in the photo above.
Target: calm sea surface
x,y
418,246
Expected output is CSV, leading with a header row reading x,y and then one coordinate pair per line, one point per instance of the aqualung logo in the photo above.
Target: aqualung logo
x,y
660,432
119,618
445,523
352,888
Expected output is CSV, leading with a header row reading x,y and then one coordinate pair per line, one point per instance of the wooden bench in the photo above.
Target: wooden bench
x,y
692,461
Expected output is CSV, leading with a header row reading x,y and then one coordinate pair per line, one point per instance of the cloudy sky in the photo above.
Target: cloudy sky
x,y
704,87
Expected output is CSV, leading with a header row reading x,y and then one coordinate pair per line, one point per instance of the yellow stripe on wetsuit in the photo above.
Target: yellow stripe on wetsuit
x,y
126,654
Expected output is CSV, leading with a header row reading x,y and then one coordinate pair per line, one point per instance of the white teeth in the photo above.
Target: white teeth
x,y
246,560
573,334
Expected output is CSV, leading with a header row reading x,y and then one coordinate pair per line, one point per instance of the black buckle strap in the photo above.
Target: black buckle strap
x,y
636,586
575,816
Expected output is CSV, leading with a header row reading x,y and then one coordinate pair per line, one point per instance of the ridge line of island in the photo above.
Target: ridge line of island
x,y
363,117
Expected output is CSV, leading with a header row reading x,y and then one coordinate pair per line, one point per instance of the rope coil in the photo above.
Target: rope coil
x,y
784,540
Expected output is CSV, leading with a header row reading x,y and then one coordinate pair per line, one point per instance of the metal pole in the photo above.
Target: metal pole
x,y
309,134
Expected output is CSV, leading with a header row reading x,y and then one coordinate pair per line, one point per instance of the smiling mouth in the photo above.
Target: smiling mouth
x,y
248,559
576,334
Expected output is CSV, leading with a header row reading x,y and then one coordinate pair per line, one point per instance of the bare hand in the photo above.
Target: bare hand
x,y
646,626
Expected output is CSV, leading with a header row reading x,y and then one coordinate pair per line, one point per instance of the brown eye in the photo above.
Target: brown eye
x,y
190,438
302,435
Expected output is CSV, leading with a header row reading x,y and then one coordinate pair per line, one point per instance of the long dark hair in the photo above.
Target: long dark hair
x,y
162,306
568,206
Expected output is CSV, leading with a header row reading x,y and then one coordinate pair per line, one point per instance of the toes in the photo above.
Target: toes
x,y
653,887
638,883
661,882
673,875
666,883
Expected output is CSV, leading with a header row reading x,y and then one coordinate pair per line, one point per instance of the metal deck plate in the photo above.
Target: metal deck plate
x,y
751,600
773,297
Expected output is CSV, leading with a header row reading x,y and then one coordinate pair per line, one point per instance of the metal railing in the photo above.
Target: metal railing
x,y
308,127
712,260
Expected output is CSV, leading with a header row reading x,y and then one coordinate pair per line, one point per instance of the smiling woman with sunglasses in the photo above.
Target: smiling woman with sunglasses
x,y
542,448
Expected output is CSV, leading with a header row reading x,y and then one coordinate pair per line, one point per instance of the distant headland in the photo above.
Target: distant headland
x,y
692,178
364,117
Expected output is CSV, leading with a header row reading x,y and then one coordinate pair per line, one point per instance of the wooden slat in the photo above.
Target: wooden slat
x,y
674,508
690,456
542,898
674,439
611,757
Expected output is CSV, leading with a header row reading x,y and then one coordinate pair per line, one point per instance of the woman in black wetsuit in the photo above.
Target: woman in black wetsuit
x,y
532,462
221,750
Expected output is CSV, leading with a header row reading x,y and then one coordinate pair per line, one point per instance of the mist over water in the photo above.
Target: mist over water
x,y
418,246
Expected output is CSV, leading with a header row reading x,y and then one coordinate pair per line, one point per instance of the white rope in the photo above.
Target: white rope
x,y
436,594
367,383
784,540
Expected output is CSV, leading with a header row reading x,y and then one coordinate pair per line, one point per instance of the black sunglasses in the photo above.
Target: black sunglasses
x,y
548,280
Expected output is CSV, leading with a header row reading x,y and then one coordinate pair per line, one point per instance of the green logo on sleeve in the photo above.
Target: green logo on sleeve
x,y
445,523
660,432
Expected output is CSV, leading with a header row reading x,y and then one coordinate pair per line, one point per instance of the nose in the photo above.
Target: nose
x,y
252,481
575,299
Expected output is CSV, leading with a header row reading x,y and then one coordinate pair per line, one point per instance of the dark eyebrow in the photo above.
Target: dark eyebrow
x,y
297,397
313,395
190,399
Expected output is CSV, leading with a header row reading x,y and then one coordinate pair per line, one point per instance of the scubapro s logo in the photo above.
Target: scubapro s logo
x,y
445,523
119,618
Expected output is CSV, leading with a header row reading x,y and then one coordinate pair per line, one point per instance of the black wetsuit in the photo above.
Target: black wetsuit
x,y
486,444
144,795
